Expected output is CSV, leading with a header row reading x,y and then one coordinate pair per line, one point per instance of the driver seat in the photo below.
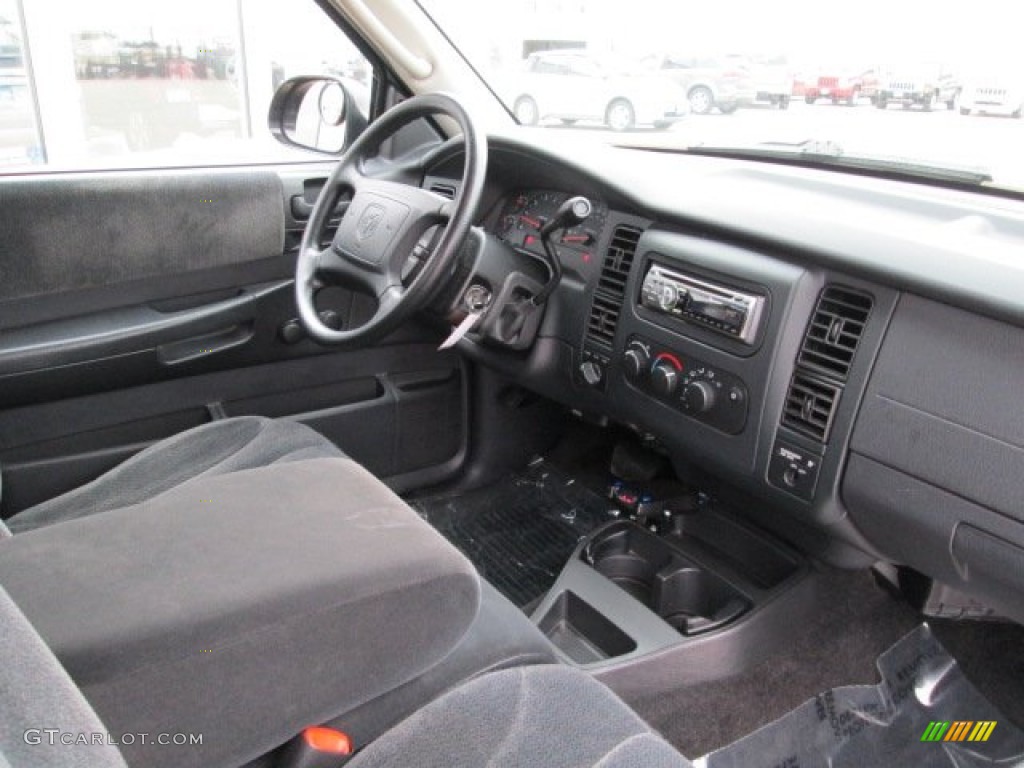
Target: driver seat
x,y
218,448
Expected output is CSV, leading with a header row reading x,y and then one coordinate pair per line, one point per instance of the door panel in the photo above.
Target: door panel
x,y
398,409
72,233
169,312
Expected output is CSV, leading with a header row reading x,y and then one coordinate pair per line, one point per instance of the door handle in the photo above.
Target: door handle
x,y
206,345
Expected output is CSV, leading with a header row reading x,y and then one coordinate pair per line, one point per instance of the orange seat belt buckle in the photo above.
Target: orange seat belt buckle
x,y
322,739
317,747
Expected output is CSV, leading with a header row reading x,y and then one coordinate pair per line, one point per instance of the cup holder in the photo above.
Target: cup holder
x,y
688,597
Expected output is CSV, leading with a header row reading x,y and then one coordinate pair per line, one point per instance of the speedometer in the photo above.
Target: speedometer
x,y
525,213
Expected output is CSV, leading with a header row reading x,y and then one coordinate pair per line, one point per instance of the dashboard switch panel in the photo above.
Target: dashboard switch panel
x,y
794,469
694,388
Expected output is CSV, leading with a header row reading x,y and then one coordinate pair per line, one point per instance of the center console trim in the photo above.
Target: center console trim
x,y
651,633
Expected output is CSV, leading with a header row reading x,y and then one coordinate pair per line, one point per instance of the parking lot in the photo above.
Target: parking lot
x,y
942,136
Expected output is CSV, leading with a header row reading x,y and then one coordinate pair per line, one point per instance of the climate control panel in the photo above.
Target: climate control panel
x,y
691,386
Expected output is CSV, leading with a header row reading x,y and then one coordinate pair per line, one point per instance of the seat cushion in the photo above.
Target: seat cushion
x,y
501,636
36,694
243,606
551,716
223,446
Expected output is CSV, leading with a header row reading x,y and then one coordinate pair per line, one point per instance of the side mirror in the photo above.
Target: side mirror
x,y
318,113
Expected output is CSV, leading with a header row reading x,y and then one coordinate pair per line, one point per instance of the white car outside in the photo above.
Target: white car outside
x,y
574,86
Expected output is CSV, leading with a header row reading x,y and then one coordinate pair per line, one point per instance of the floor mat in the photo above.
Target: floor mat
x,y
923,713
520,531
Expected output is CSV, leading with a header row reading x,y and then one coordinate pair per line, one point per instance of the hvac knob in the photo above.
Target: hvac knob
x,y
699,396
664,378
635,362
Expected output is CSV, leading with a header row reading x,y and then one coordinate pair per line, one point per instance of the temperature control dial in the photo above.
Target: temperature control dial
x,y
665,377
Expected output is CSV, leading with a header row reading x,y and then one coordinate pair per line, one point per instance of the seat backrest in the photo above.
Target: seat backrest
x,y
44,718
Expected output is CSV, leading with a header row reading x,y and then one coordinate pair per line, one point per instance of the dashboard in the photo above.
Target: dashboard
x,y
788,332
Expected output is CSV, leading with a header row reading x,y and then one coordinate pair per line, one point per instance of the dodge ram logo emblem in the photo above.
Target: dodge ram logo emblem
x,y
369,221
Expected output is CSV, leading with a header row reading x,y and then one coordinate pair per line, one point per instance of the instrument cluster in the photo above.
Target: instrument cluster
x,y
525,212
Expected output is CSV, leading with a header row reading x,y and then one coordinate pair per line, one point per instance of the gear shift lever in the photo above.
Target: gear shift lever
x,y
514,316
572,212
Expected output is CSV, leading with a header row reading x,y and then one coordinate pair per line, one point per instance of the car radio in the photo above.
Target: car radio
x,y
708,305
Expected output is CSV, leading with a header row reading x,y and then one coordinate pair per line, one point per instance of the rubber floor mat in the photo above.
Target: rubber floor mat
x,y
924,713
520,531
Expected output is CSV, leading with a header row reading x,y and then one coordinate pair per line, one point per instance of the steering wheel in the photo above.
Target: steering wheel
x,y
382,242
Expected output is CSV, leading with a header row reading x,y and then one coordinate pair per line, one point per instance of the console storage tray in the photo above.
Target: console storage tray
x,y
627,593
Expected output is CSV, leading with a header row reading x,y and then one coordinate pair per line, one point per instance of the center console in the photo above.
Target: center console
x,y
631,601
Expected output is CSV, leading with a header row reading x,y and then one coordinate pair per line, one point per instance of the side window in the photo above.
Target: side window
x,y
114,84
549,67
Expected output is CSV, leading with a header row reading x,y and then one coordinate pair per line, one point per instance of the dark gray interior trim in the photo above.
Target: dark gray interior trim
x,y
114,332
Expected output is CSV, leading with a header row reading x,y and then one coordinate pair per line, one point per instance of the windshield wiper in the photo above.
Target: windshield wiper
x,y
814,152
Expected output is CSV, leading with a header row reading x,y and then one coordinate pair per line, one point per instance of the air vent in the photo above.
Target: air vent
x,y
604,316
835,330
618,260
444,190
810,404
611,286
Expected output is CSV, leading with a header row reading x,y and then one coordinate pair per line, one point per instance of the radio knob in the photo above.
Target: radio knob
x,y
699,396
635,362
668,297
664,378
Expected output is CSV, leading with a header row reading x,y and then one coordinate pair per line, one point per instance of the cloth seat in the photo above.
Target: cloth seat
x,y
35,694
551,715
227,445
546,715
243,606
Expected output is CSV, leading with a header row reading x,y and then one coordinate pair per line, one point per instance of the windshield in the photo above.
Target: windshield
x,y
897,84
